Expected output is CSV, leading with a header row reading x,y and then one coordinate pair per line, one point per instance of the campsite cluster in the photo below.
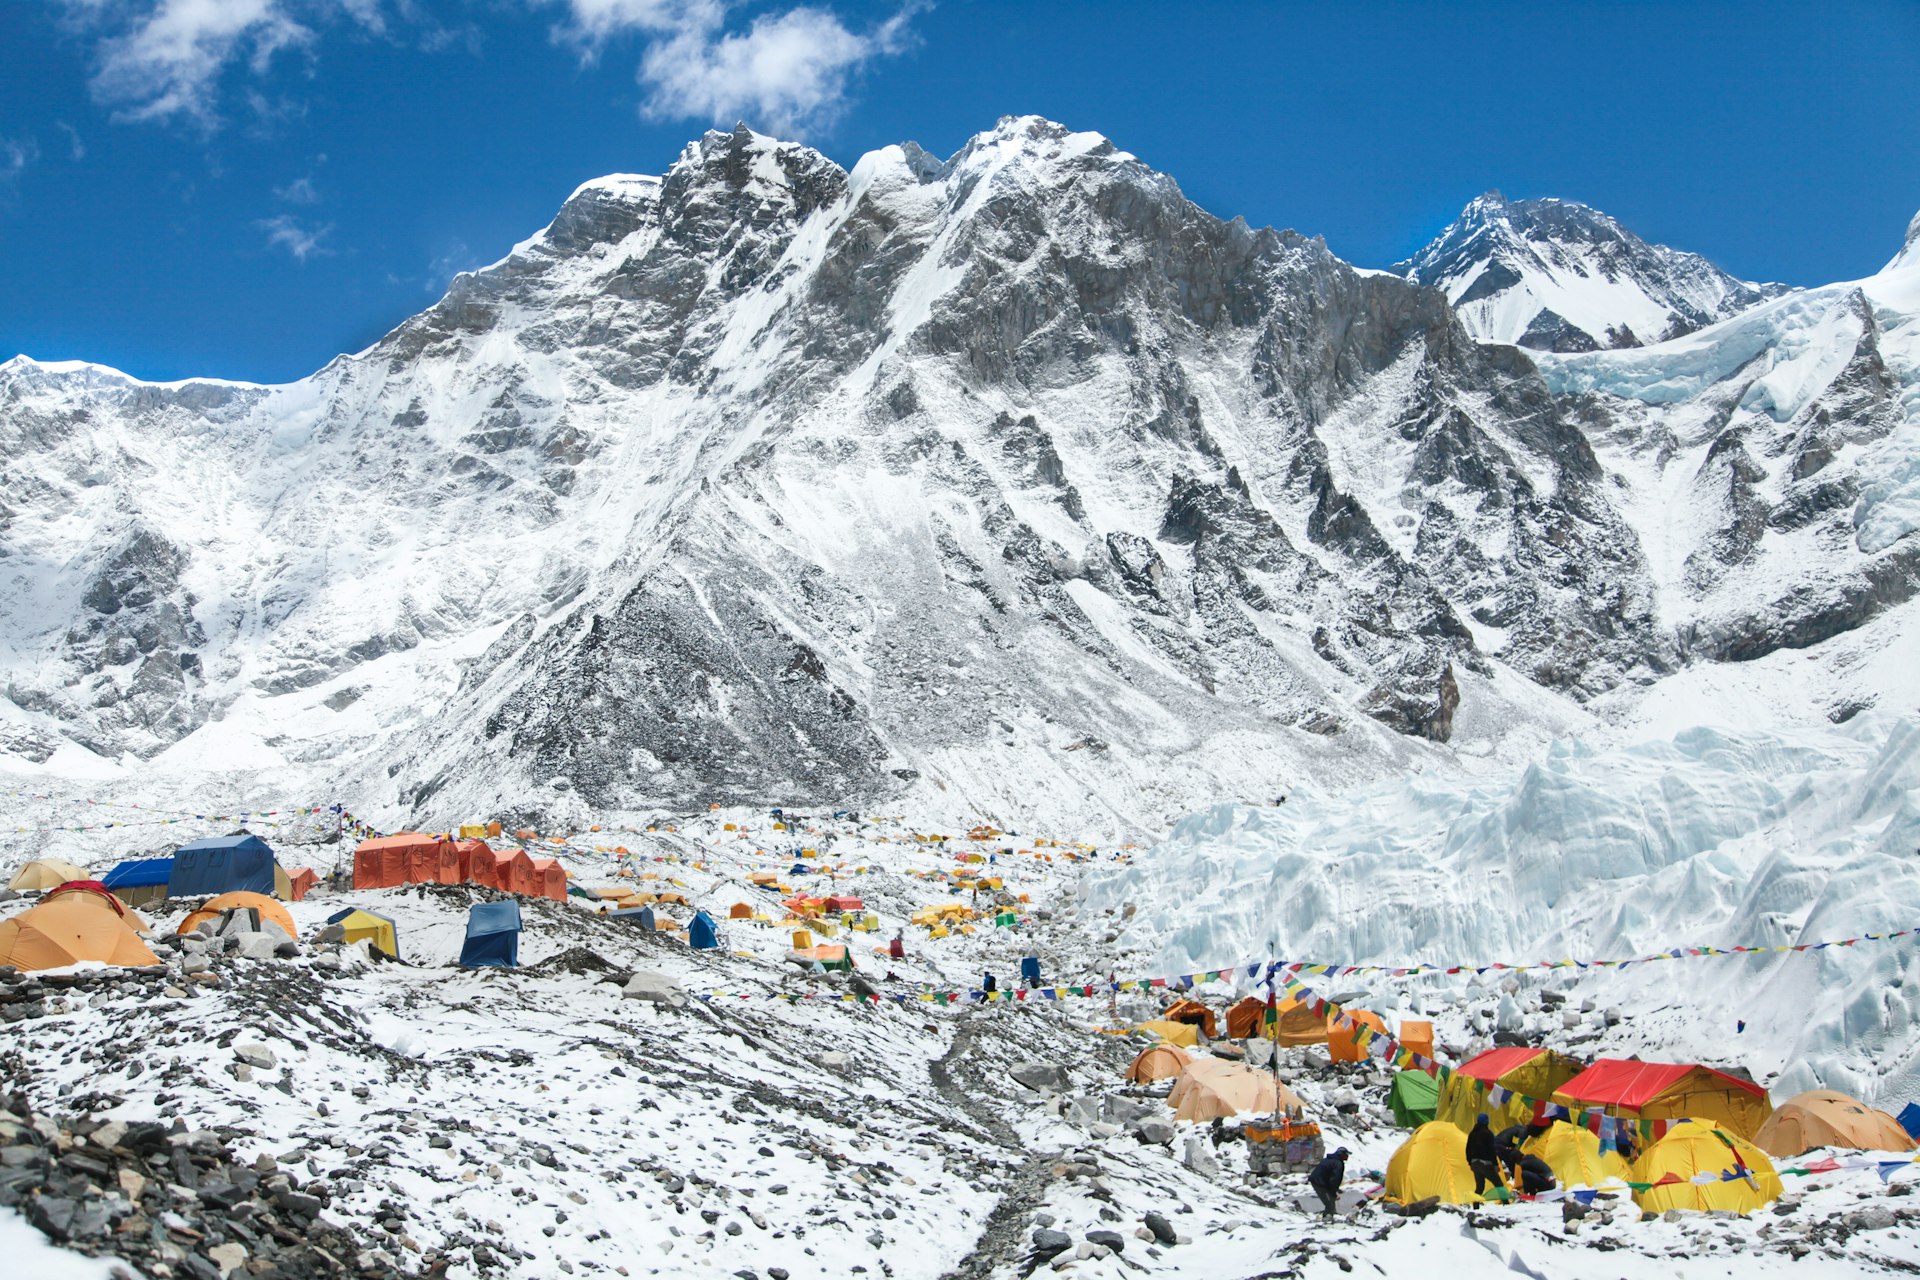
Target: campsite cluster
x,y
650,1074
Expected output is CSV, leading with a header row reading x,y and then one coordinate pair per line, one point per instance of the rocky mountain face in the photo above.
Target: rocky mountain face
x,y
1552,275
1015,478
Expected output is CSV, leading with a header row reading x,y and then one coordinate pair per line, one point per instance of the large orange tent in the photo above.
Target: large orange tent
x,y
1824,1118
300,883
1632,1089
476,859
549,879
1416,1036
1194,1014
519,875
70,926
381,863
1211,1088
1343,1037
1158,1062
241,900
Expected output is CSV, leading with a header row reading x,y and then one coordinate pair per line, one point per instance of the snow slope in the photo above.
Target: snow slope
x,y
1710,837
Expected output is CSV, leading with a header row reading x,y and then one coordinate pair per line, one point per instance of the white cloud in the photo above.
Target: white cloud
x,y
76,145
15,155
299,191
285,232
164,59
787,71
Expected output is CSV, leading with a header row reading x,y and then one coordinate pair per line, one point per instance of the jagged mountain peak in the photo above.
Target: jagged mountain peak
x,y
1909,255
1557,275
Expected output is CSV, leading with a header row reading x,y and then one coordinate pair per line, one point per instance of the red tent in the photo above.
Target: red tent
x,y
1490,1066
847,903
1669,1091
476,860
300,881
448,872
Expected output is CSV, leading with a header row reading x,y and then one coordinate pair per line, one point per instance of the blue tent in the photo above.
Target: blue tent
x,y
799,869
493,935
1030,971
143,873
642,916
1910,1119
224,864
702,934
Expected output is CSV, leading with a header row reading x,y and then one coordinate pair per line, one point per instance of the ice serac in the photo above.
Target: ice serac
x,y
1552,275
1013,479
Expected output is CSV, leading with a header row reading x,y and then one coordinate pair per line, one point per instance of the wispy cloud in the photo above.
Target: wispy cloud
x,y
788,71
76,145
15,155
286,232
299,191
163,60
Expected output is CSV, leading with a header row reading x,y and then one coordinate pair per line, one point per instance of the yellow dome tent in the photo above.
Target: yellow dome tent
x,y
1824,1118
376,929
1179,1033
1158,1062
1575,1156
43,874
67,928
1432,1162
1699,1147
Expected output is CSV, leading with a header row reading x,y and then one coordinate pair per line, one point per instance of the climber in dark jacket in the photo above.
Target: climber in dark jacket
x,y
987,984
1536,1175
1326,1179
1483,1155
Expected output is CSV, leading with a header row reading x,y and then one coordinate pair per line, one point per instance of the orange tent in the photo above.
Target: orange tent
x,y
69,926
1343,1039
1158,1062
1214,1089
516,873
740,911
267,907
448,870
1245,1018
1824,1118
549,879
405,858
300,882
1194,1014
476,860
1417,1036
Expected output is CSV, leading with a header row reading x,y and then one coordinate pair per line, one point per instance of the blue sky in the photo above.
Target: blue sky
x,y
244,188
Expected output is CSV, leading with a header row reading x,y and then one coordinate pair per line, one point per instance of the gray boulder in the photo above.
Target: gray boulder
x,y
1041,1075
655,988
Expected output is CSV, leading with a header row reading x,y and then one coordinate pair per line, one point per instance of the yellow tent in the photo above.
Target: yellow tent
x,y
1530,1073
43,874
1694,1147
1574,1155
1211,1088
1179,1033
1823,1118
1158,1062
81,924
376,929
1432,1162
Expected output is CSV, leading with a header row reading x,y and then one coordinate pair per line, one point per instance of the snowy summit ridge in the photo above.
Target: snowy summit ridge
x,y
1013,480
1553,275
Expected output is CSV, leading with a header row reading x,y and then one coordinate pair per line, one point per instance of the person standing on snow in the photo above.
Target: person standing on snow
x,y
1326,1179
988,985
897,949
1482,1155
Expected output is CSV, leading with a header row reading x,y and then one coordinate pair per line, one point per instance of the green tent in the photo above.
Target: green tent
x,y
1414,1097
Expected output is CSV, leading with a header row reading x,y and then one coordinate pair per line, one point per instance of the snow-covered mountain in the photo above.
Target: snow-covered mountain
x,y
1553,275
1014,482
